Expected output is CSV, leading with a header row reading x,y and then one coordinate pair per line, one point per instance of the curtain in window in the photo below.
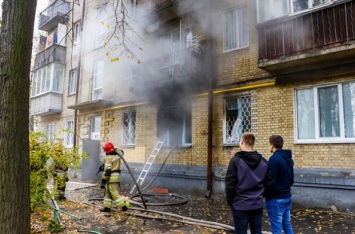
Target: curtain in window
x,y
305,114
349,109
329,111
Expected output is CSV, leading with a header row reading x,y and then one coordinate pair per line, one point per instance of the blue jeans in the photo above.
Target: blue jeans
x,y
279,212
244,217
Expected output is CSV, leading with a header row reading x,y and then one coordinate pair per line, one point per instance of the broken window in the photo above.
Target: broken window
x,y
174,123
237,118
129,128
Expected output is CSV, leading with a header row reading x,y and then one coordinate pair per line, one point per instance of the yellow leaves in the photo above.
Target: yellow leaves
x,y
115,59
107,53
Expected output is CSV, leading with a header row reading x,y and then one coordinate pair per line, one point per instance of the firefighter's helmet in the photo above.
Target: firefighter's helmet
x,y
108,147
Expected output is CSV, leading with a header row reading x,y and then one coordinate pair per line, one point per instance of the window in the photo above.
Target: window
x,y
325,114
47,79
105,25
237,118
174,123
235,28
76,32
271,9
95,128
69,133
129,128
49,131
97,80
72,81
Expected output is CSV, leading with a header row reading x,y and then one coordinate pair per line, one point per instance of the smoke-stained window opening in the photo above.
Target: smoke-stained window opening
x,y
72,81
69,137
97,79
174,124
325,113
235,28
95,128
129,129
237,118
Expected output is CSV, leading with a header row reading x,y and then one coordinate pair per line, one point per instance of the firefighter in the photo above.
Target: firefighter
x,y
111,179
59,171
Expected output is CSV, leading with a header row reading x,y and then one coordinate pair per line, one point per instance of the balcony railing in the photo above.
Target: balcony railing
x,y
319,29
54,53
47,103
181,66
55,13
147,5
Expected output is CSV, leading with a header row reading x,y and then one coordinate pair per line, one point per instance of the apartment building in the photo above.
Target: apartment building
x,y
197,74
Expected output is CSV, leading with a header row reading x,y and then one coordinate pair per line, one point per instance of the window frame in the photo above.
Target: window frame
x,y
97,74
77,32
92,125
247,95
72,81
239,38
69,133
132,128
317,138
50,131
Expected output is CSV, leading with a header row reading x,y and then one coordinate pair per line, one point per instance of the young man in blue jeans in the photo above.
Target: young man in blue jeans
x,y
278,197
246,179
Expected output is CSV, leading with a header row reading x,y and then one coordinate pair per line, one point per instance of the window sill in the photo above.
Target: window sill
x,y
179,146
325,141
236,49
127,146
231,145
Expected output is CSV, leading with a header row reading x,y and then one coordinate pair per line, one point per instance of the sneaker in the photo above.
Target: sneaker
x,y
105,209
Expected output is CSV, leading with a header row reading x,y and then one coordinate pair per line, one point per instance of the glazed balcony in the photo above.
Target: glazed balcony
x,y
54,53
55,13
308,40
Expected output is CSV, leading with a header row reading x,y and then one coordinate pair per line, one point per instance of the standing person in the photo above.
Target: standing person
x,y
111,179
279,198
246,178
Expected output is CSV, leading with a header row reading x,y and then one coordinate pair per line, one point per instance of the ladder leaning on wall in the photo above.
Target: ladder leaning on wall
x,y
148,164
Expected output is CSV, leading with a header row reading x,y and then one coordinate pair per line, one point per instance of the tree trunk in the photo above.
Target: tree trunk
x,y
15,60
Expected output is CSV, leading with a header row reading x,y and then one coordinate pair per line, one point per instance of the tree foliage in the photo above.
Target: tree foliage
x,y
44,155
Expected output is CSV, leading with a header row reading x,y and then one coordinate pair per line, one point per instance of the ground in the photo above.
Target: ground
x,y
82,203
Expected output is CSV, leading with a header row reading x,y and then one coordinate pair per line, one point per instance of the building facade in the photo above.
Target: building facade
x,y
197,74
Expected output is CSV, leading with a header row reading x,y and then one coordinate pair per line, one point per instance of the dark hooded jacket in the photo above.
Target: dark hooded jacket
x,y
246,178
281,166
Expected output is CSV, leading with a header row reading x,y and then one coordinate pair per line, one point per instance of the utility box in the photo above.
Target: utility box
x,y
90,165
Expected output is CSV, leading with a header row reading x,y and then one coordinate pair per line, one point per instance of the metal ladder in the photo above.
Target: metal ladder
x,y
148,164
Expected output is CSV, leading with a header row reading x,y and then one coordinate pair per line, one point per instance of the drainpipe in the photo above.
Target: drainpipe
x,y
79,72
209,75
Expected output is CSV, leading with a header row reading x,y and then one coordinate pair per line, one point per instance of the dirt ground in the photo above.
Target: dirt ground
x,y
82,203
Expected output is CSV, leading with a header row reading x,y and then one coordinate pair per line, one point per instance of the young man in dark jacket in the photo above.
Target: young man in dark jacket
x,y
278,197
246,178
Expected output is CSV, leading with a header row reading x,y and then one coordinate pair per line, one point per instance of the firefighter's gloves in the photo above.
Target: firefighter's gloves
x,y
103,183
108,172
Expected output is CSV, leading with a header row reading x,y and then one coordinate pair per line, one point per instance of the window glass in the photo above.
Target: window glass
x,y
95,127
305,114
72,81
329,111
76,31
98,78
300,5
69,127
235,23
237,119
349,109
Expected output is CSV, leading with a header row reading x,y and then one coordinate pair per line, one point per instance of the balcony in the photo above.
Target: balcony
x,y
46,104
54,53
315,39
149,5
55,13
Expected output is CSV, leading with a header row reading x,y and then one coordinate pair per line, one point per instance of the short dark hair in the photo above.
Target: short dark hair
x,y
249,138
277,141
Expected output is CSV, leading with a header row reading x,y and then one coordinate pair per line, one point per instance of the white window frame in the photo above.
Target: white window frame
x,y
243,123
50,132
98,78
95,128
318,139
290,8
76,32
73,76
69,133
241,28
129,128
